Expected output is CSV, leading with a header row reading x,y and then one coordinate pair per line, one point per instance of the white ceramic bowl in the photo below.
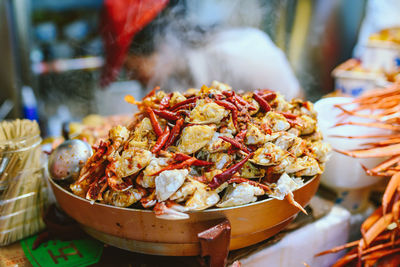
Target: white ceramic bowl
x,y
341,171
379,55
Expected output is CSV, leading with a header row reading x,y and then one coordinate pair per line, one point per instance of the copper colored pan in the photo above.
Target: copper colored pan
x,y
140,231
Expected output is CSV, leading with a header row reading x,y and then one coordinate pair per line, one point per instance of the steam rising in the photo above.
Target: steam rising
x,y
219,40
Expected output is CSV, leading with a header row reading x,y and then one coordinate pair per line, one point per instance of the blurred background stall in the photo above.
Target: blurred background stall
x,y
55,48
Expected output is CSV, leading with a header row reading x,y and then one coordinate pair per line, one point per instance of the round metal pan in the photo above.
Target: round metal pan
x,y
141,231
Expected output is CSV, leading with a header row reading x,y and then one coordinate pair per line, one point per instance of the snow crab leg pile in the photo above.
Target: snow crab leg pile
x,y
380,242
208,147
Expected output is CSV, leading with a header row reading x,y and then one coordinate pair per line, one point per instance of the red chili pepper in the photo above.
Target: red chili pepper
x,y
240,100
175,132
269,96
154,122
228,93
184,102
239,138
182,157
264,104
228,173
239,180
235,143
231,107
225,104
161,140
241,135
288,115
182,165
184,107
235,118
234,101
166,114
164,103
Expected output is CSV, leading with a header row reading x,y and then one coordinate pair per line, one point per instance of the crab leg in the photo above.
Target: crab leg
x,y
381,246
349,257
391,261
154,122
380,254
152,92
339,248
370,124
161,140
365,136
372,152
96,189
228,173
396,211
384,165
149,201
384,142
370,221
391,188
293,202
378,227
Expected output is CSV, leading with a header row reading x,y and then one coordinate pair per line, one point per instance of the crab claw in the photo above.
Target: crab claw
x,y
170,211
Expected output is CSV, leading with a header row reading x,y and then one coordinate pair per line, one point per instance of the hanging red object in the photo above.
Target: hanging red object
x,y
120,21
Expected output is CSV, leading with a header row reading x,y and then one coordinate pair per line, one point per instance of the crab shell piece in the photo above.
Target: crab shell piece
x,y
118,133
254,136
205,113
185,191
285,140
123,199
156,164
250,171
240,194
217,144
195,137
285,185
321,150
168,182
203,198
304,166
308,125
268,155
276,121
221,160
131,161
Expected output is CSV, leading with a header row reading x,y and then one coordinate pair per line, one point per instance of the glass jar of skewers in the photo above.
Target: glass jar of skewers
x,y
23,190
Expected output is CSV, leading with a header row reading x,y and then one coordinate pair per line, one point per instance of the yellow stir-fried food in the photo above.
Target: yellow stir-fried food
x,y
208,147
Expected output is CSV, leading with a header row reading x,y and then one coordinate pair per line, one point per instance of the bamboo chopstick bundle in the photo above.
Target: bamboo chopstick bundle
x,y
22,187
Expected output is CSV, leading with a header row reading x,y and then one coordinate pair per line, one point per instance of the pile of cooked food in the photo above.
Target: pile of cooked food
x,y
203,148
